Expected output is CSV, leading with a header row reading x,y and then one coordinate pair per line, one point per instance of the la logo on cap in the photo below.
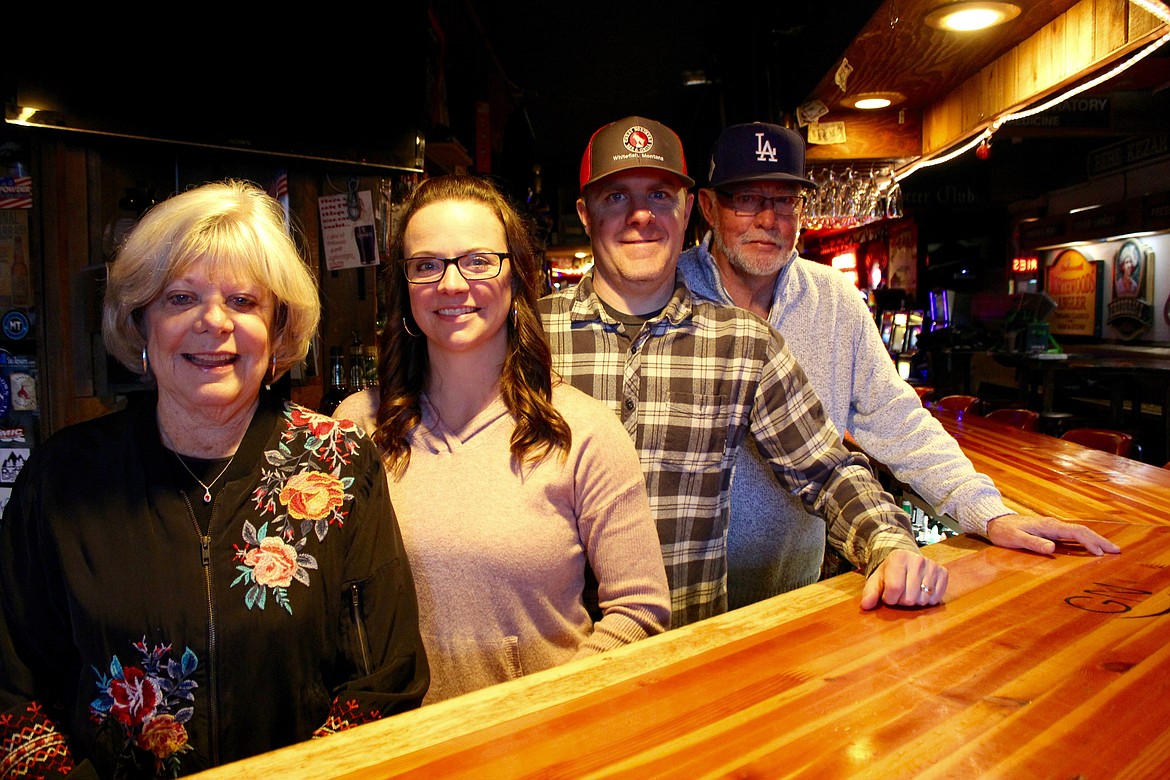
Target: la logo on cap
x,y
765,152
638,139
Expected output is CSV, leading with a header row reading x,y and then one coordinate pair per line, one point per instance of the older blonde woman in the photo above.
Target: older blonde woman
x,y
213,572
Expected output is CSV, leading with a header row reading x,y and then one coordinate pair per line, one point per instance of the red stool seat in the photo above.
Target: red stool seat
x,y
1117,442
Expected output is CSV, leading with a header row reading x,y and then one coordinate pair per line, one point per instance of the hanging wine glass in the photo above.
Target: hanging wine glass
x,y
873,209
894,201
848,186
833,196
812,206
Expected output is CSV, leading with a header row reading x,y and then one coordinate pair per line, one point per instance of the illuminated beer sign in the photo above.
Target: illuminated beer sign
x,y
1072,281
1025,264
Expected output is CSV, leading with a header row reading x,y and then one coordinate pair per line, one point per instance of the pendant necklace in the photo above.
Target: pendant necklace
x,y
205,485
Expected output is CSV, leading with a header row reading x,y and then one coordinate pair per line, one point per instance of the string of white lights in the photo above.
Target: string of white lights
x,y
1154,7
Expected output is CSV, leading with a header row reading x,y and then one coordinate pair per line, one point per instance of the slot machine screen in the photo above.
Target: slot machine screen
x,y
913,329
940,310
912,337
898,334
887,327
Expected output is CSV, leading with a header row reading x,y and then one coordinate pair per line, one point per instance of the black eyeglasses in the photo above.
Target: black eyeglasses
x,y
748,204
473,266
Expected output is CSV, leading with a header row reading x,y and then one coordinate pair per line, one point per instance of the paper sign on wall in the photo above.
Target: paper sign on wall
x,y
348,231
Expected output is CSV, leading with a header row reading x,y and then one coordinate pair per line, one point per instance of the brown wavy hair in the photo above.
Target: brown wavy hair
x,y
526,377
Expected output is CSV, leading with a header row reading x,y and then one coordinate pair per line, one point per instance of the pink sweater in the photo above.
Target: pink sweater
x,y
499,555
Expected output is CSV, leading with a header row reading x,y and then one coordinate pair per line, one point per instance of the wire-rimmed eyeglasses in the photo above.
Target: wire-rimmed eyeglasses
x,y
748,204
473,266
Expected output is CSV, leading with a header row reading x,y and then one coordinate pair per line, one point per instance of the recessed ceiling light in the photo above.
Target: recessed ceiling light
x,y
869,101
974,15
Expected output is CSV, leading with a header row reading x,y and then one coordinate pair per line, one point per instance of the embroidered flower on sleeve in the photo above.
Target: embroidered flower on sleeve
x,y
303,488
151,702
312,495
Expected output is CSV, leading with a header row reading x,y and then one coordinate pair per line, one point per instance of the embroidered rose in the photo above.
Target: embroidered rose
x,y
150,703
319,425
312,495
135,696
273,563
163,736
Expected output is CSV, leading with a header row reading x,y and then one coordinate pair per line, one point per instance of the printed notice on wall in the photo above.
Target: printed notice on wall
x,y
347,230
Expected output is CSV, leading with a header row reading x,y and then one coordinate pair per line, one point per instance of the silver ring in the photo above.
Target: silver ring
x,y
926,589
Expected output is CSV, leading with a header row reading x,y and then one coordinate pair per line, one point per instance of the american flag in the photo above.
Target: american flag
x,y
279,190
15,192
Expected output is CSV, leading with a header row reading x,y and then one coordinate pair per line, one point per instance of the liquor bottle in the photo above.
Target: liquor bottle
x,y
357,360
371,366
337,390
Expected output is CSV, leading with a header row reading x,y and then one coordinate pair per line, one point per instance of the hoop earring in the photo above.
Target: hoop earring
x,y
515,316
145,361
406,328
268,384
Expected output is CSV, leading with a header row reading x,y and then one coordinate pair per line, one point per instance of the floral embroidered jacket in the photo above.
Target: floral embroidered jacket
x,y
138,644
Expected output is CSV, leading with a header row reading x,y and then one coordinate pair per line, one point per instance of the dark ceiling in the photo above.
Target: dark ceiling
x,y
573,67
553,72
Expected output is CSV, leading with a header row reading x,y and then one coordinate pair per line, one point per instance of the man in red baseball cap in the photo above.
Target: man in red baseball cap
x,y
635,206
695,381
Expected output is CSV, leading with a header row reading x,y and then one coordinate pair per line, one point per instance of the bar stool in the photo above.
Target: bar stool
x,y
1024,419
958,404
1054,423
1117,442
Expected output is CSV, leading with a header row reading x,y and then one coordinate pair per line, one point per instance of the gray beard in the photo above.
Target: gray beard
x,y
744,265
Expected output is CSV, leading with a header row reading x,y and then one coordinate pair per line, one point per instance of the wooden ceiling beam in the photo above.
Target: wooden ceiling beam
x,y
957,88
1090,36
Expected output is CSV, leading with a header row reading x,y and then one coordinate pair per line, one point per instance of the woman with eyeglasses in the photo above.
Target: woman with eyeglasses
x,y
521,500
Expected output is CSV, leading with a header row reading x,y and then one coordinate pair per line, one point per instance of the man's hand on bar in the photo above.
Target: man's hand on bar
x,y
1040,534
905,579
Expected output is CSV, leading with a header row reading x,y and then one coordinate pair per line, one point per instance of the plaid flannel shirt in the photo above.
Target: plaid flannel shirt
x,y
693,384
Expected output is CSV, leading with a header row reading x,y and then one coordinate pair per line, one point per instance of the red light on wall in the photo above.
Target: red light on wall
x,y
1025,265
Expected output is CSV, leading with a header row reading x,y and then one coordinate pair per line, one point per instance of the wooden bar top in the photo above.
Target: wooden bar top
x,y
1040,474
1034,666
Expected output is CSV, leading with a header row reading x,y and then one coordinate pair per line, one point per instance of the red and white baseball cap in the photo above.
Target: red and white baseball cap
x,y
633,142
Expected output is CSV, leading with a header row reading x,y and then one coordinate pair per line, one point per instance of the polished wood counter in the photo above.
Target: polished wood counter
x,y
1040,474
1034,666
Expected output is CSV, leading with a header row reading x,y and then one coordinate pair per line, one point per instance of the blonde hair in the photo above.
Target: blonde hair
x,y
240,230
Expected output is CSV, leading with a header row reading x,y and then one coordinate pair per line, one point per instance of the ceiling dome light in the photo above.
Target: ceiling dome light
x,y
869,101
975,15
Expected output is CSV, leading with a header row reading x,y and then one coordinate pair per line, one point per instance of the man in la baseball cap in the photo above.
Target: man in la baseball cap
x,y
693,381
753,202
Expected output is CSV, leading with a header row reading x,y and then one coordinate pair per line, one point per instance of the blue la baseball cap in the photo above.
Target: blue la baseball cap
x,y
757,151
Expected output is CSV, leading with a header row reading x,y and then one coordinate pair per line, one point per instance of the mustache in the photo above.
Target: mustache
x,y
761,235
